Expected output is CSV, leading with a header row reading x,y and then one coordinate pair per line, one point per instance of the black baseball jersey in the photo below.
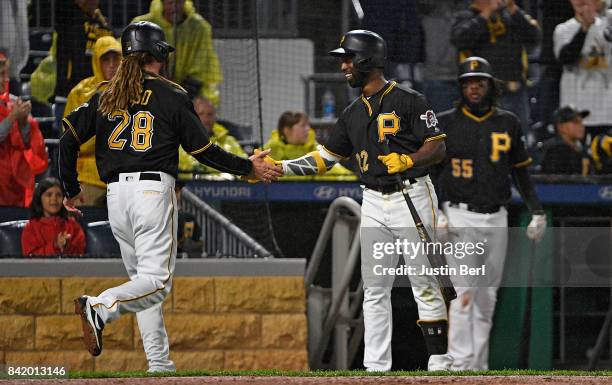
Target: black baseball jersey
x,y
401,116
559,157
480,154
77,32
146,137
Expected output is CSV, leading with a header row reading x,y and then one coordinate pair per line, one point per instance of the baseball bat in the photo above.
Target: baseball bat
x,y
523,360
435,259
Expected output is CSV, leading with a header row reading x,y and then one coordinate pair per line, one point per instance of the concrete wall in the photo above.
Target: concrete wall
x,y
240,319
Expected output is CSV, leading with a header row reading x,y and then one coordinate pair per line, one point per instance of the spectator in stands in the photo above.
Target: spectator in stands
x,y
440,67
565,153
14,37
552,14
51,231
581,46
601,150
294,138
219,135
189,233
78,24
194,64
22,149
42,80
500,32
105,61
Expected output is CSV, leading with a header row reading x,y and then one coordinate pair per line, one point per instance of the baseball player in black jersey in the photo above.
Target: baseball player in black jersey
x,y
386,115
484,147
139,121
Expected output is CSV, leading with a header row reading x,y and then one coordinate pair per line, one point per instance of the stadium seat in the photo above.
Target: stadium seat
x,y
92,214
13,213
10,238
40,43
100,241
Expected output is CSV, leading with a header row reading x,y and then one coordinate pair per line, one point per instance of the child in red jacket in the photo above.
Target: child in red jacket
x,y
50,230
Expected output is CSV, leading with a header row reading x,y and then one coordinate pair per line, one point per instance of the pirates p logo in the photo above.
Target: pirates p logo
x,y
342,40
473,65
388,124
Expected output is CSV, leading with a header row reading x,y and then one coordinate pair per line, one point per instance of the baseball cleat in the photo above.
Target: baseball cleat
x,y
92,325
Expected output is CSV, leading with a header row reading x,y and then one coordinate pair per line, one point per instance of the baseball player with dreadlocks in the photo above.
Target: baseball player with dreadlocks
x,y
484,147
139,121
386,116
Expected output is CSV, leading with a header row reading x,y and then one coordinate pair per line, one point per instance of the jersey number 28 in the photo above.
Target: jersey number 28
x,y
141,126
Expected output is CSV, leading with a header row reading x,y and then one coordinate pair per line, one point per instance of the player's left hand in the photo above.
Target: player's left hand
x,y
265,168
70,204
396,163
537,227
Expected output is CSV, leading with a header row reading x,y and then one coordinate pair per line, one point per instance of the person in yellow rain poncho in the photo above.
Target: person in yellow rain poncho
x,y
105,61
294,138
219,135
194,64
42,80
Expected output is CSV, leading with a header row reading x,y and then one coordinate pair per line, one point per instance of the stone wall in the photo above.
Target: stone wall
x,y
214,323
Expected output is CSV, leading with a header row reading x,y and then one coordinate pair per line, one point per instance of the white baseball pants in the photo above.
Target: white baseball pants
x,y
470,324
385,218
143,217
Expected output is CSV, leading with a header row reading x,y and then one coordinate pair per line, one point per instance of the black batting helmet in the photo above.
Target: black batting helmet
x,y
144,36
367,49
475,66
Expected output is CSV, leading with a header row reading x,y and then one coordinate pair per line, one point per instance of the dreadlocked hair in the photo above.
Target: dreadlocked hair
x,y
125,87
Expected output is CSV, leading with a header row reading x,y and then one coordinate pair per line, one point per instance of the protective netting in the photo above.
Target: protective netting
x,y
255,60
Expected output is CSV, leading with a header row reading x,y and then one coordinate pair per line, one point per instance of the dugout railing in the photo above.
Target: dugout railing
x,y
336,312
221,238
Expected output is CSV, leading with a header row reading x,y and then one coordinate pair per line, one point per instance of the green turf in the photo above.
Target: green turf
x,y
339,373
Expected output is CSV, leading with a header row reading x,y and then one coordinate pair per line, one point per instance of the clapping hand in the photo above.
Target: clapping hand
x,y
62,240
22,111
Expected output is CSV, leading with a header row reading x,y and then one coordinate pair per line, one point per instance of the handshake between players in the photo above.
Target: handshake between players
x,y
265,168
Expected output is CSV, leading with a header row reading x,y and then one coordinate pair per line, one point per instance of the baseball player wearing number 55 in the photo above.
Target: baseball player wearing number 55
x,y
484,147
385,113
139,121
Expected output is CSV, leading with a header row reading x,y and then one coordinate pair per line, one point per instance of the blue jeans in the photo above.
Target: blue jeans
x,y
518,102
441,94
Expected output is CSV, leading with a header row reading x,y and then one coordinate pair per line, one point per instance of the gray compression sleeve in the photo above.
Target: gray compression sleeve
x,y
314,163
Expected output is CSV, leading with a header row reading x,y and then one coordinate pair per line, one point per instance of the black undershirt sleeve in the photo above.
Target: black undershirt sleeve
x,y
217,158
526,188
570,53
195,140
67,159
79,127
